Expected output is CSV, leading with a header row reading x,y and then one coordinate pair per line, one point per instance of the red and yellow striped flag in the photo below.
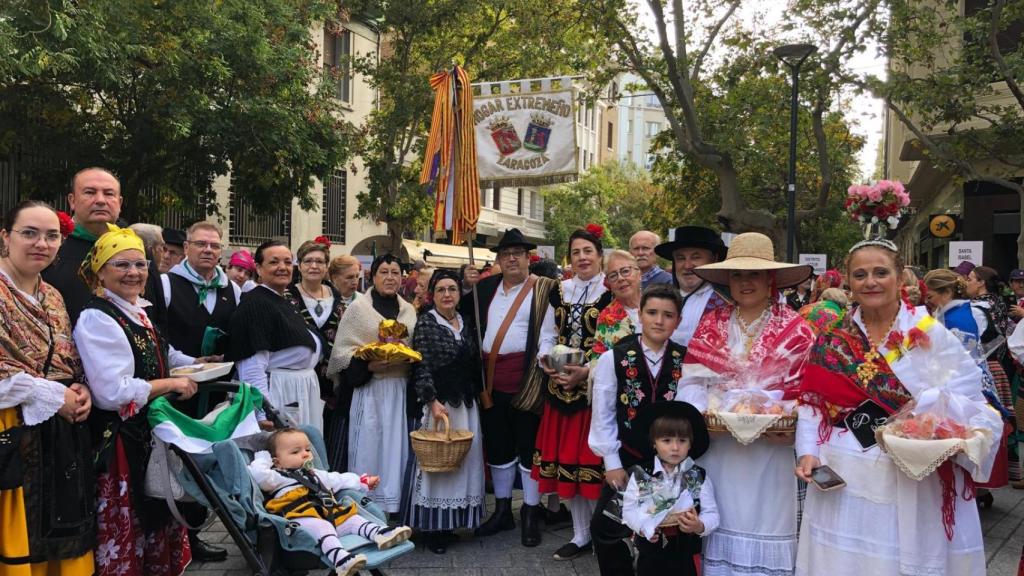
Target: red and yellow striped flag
x,y
449,165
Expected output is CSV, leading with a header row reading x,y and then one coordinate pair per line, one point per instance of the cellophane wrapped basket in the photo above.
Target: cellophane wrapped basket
x,y
939,423
753,400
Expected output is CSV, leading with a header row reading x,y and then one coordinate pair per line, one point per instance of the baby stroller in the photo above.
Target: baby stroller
x,y
270,544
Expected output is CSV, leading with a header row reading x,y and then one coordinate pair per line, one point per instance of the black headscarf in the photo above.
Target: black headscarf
x,y
383,259
443,274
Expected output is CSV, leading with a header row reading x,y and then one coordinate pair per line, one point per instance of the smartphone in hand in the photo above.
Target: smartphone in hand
x,y
826,479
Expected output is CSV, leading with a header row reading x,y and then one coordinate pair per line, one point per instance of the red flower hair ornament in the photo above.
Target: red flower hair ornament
x,y
322,240
595,230
534,258
67,224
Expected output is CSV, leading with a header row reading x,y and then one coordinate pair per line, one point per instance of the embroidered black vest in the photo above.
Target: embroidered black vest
x,y
187,318
586,320
636,388
149,350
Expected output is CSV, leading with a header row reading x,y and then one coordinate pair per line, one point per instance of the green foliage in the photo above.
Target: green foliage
x,y
726,99
492,39
170,95
946,82
614,195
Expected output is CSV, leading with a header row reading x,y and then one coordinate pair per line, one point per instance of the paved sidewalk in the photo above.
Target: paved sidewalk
x,y
502,554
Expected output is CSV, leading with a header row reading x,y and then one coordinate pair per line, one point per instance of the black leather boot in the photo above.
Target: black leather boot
x,y
530,517
500,520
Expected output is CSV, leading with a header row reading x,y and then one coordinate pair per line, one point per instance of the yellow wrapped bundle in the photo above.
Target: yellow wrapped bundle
x,y
390,347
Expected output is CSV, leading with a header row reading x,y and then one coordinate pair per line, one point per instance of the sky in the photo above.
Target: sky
x,y
865,112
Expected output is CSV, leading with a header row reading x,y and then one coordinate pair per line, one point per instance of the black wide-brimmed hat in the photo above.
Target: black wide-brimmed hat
x,y
691,237
676,409
513,237
173,237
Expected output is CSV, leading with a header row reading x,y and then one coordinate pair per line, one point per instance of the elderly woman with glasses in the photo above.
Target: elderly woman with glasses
x,y
321,306
447,383
378,430
127,363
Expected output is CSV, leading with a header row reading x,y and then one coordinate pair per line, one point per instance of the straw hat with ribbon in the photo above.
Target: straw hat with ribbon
x,y
754,251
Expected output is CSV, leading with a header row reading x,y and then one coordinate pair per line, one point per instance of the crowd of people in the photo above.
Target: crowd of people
x,y
95,316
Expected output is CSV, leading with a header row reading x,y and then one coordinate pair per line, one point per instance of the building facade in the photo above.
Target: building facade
x,y
980,211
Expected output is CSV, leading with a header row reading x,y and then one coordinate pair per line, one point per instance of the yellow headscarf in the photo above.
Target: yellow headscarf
x,y
110,243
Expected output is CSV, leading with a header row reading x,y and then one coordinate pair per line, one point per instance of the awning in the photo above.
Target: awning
x,y
445,255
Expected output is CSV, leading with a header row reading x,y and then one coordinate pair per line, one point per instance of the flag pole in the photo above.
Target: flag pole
x,y
485,397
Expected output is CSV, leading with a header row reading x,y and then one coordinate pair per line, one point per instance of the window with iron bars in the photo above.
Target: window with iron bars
x,y
335,205
251,228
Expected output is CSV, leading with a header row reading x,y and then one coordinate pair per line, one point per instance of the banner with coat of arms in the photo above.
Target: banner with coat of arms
x,y
526,138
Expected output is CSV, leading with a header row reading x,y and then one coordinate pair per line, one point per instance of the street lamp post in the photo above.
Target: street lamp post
x,y
793,56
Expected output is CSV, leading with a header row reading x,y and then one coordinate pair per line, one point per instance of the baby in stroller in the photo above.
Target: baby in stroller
x,y
306,497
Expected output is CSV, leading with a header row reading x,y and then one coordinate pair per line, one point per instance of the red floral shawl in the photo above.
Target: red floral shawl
x,y
785,339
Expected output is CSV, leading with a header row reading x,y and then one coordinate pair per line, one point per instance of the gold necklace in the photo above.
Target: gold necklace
x,y
750,331
868,369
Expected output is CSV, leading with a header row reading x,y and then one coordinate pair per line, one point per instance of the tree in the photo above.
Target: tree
x,y
746,119
693,64
170,95
493,40
614,195
953,81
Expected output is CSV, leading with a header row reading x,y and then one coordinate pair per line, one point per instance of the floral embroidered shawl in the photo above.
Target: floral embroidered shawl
x,y
613,324
785,341
25,334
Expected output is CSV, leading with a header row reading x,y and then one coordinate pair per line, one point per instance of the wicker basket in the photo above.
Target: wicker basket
x,y
785,425
441,451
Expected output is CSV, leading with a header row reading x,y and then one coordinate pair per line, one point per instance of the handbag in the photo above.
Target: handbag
x,y
161,482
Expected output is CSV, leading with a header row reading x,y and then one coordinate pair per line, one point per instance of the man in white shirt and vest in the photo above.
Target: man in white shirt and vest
x,y
199,300
511,308
688,247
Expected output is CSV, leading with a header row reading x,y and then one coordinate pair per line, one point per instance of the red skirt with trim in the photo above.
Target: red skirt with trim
x,y
562,460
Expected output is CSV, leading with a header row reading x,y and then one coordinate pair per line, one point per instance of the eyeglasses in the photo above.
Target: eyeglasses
x,y
203,245
32,235
124,266
626,272
314,262
506,254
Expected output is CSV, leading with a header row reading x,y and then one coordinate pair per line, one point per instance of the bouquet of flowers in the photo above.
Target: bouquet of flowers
x,y
752,400
878,206
940,422
648,500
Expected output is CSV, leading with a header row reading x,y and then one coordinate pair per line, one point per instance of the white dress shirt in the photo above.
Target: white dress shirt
x,y
108,359
604,426
518,331
693,310
640,521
